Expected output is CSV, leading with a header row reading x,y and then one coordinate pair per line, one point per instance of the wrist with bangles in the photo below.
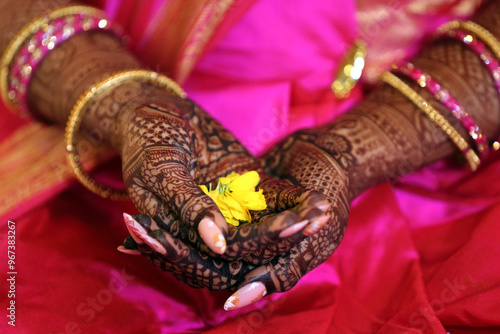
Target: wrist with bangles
x,y
34,42
479,40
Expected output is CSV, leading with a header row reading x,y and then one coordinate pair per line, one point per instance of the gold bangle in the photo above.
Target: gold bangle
x,y
434,116
483,34
22,37
76,116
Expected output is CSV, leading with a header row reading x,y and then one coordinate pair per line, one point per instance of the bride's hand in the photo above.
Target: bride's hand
x,y
314,161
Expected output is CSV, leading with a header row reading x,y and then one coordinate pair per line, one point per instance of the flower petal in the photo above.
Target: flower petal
x,y
232,221
252,200
247,181
238,210
229,178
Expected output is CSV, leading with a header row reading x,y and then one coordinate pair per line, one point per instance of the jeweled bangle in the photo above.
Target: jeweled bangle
x,y
425,81
479,48
433,115
30,46
483,34
81,107
463,30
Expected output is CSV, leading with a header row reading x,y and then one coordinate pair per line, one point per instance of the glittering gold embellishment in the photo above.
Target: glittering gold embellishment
x,y
350,70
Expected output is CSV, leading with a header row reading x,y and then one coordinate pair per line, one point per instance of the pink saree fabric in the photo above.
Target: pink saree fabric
x,y
419,255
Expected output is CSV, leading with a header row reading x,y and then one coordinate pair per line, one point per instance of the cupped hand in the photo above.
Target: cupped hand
x,y
315,160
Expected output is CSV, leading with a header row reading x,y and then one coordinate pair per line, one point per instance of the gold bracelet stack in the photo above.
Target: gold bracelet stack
x,y
481,42
81,107
434,116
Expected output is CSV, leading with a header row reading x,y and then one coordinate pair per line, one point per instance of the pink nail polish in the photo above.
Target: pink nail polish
x,y
247,295
154,244
134,225
316,225
128,251
291,230
324,208
129,223
212,235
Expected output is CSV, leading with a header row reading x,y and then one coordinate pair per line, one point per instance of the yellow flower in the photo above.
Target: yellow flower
x,y
235,195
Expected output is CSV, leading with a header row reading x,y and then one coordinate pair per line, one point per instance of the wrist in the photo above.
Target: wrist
x,y
70,69
388,137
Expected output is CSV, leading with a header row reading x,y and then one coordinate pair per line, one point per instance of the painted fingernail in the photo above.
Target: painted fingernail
x,y
324,208
316,225
212,235
245,296
128,251
154,244
132,229
293,229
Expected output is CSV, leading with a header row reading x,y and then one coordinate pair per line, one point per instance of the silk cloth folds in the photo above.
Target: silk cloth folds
x,y
419,255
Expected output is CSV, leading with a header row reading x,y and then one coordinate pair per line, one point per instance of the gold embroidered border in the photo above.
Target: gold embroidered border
x,y
33,162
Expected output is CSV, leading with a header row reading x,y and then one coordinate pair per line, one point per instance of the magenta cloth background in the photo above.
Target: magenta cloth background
x,y
419,256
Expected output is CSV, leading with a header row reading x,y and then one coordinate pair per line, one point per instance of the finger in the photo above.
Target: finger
x,y
315,217
258,283
246,295
288,239
145,221
124,250
293,229
283,273
260,239
273,234
129,243
171,180
302,199
316,225
133,228
310,205
190,266
167,223
283,196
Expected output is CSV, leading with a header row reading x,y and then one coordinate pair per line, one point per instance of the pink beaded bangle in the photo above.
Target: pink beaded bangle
x,y
36,48
425,81
480,49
